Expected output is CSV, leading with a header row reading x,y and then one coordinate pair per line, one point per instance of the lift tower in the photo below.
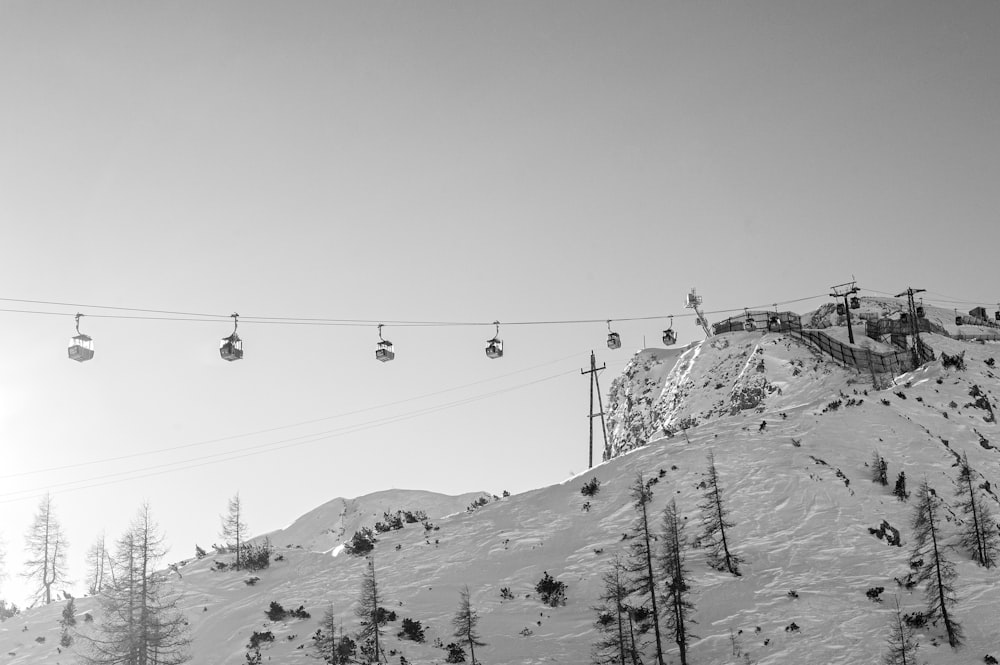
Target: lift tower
x,y
694,302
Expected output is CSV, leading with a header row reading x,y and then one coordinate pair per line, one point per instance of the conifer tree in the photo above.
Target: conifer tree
x,y
644,580
97,557
234,530
880,469
715,536
368,612
980,535
140,624
676,580
935,570
46,545
902,645
617,645
899,491
464,622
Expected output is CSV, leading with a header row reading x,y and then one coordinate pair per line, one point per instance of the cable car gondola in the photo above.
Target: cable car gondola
x,y
855,303
231,348
920,310
998,315
840,309
614,339
748,324
903,317
81,347
383,350
494,347
958,318
774,323
670,335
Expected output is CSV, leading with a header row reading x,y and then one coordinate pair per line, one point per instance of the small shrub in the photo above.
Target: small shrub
x,y
958,362
362,542
250,581
299,613
40,639
456,654
551,591
276,612
384,616
874,594
792,628
412,630
505,593
65,640
257,638
255,556
592,487
915,619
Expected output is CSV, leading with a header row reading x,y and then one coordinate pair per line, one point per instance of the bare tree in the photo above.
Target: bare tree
x,y
880,469
370,615
97,558
140,624
934,568
234,530
676,580
644,581
464,623
46,544
714,522
902,645
617,645
980,536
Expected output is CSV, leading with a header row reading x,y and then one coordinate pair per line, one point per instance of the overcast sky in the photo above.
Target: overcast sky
x,y
438,162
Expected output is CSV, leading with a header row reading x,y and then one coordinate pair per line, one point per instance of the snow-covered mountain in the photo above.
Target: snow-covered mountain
x,y
793,435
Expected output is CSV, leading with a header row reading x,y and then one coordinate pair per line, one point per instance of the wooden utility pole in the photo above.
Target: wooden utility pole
x,y
594,369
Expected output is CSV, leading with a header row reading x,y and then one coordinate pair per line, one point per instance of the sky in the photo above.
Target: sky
x,y
437,162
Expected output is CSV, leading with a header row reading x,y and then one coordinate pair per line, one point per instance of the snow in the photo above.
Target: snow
x,y
799,491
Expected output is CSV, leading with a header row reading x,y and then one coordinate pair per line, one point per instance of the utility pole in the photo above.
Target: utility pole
x,y
914,323
849,289
594,369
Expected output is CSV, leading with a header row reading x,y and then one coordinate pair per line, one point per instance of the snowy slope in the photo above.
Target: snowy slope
x,y
799,490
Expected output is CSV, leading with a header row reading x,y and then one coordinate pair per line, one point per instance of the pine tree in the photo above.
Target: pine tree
x,y
464,622
644,580
234,530
676,578
140,624
935,569
368,612
617,644
980,535
714,524
46,545
880,469
902,645
330,648
97,557
899,491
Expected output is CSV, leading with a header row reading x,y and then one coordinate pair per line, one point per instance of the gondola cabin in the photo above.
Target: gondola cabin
x,y
81,348
920,312
774,324
383,351
903,317
231,348
614,340
998,315
749,325
958,320
494,348
840,309
855,303
669,337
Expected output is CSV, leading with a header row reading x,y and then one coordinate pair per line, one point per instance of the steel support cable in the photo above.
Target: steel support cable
x,y
215,458
277,428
